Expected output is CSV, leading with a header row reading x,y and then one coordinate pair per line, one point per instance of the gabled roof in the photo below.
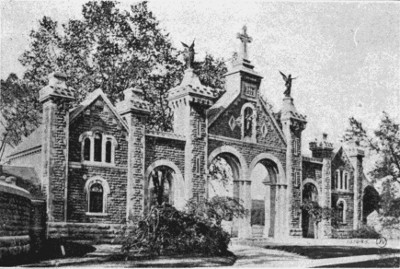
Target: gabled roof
x,y
89,100
223,103
35,139
264,105
32,141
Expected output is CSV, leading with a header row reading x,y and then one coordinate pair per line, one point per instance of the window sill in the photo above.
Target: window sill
x,y
100,164
96,214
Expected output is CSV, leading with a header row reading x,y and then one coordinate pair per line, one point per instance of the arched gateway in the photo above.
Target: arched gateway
x,y
261,187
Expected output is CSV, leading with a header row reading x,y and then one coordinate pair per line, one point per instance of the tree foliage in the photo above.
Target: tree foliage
x,y
166,230
385,143
113,49
18,106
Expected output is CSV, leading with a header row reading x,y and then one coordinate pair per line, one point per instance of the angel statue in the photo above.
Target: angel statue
x,y
288,83
188,54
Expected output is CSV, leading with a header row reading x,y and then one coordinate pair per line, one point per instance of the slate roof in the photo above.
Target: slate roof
x,y
191,84
216,110
32,141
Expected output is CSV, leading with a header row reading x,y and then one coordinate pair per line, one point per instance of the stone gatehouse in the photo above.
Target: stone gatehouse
x,y
98,162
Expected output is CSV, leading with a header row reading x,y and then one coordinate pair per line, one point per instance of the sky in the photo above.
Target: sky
x,y
345,55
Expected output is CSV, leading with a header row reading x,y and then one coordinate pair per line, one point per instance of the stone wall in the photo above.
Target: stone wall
x,y
22,222
97,117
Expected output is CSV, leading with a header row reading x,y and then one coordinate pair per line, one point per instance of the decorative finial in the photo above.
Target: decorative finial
x,y
288,83
244,38
188,55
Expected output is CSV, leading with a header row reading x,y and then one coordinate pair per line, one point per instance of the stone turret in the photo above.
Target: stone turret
x,y
56,99
135,110
356,156
323,149
189,102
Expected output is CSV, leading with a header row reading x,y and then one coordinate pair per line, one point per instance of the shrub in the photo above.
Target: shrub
x,y
364,232
166,230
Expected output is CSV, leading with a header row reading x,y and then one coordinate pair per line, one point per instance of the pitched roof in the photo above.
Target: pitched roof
x,y
89,100
32,141
264,105
216,110
35,139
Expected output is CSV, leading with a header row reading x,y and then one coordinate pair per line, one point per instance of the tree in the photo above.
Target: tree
x,y
114,49
18,106
385,143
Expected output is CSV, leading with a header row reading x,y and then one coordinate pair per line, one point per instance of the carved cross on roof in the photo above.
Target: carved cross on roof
x,y
244,38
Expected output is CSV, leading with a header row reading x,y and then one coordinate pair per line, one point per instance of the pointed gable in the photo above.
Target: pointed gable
x,y
90,99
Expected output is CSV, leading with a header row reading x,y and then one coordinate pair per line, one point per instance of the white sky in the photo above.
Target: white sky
x,y
345,54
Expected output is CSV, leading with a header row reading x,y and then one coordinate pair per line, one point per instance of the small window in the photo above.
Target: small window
x,y
96,198
336,179
346,180
86,149
296,146
199,129
341,211
198,166
98,141
297,179
108,151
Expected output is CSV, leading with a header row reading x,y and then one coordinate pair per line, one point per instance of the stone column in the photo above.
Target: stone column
x,y
267,201
135,111
356,156
325,227
56,98
244,223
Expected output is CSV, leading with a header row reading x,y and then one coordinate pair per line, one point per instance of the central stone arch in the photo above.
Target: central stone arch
x,y
272,189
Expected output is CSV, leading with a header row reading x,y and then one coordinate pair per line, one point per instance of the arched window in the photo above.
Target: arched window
x,y
336,179
341,210
108,150
98,141
96,198
98,148
346,180
86,149
341,183
96,189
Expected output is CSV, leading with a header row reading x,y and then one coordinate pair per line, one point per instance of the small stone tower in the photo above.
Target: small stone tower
x,y
356,156
189,102
323,149
293,124
135,111
56,99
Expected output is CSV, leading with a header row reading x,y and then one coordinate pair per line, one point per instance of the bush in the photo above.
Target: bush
x,y
166,230
364,232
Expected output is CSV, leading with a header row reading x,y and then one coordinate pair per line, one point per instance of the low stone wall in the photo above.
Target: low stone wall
x,y
93,232
21,222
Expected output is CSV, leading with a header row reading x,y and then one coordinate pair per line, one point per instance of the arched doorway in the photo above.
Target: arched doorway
x,y
371,201
164,185
265,199
224,174
310,195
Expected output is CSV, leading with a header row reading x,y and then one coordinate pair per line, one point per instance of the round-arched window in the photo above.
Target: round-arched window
x,y
96,198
